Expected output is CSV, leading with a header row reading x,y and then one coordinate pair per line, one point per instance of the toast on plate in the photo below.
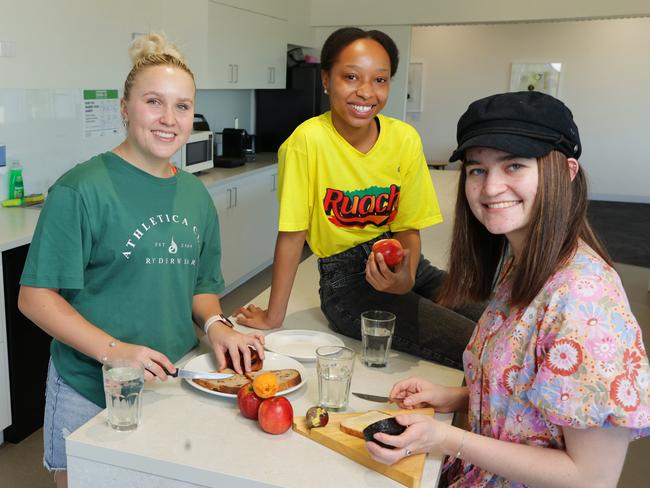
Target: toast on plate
x,y
287,378
256,361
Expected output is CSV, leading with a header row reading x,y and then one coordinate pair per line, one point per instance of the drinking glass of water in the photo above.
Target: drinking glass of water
x,y
123,384
377,329
334,365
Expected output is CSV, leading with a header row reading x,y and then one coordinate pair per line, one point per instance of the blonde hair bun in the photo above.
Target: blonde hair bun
x,y
153,44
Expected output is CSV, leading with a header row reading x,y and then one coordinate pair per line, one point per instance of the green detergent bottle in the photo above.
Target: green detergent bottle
x,y
16,187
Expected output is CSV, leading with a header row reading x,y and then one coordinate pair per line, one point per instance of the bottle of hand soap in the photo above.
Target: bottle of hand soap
x,y
16,187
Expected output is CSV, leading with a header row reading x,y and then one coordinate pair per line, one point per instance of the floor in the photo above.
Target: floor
x,y
21,464
629,243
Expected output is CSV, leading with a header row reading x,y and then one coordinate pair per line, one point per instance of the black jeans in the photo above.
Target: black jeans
x,y
423,328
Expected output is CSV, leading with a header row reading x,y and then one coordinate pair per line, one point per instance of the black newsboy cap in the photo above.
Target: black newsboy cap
x,y
529,124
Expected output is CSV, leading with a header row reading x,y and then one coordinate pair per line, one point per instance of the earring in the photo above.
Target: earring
x,y
325,90
125,123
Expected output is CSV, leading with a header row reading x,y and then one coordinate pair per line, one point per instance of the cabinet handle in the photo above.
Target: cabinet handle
x,y
271,75
235,189
229,190
236,73
274,180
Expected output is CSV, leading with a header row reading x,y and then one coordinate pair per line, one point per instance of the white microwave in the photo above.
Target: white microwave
x,y
196,154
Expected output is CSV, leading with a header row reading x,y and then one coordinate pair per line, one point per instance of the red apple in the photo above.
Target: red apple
x,y
248,402
275,415
390,249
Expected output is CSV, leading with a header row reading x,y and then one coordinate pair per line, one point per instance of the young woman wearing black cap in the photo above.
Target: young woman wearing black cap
x,y
350,177
556,369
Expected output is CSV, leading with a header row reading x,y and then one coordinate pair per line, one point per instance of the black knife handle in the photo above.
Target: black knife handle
x,y
173,375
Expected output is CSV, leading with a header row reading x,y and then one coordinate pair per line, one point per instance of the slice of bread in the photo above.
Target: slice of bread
x,y
229,385
256,362
355,425
286,379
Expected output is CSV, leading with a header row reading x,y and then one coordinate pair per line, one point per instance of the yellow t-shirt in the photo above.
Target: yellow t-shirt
x,y
343,197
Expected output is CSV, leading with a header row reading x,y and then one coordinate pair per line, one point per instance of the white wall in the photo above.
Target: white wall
x,y
423,12
401,34
605,81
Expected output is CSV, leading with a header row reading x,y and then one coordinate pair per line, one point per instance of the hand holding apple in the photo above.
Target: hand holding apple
x,y
390,249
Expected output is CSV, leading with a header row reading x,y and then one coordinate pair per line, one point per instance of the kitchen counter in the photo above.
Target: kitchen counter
x,y
221,175
191,438
17,224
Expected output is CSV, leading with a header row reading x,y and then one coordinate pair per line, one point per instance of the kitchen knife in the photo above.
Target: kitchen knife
x,y
372,398
186,373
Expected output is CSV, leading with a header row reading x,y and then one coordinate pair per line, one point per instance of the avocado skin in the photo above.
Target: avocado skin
x,y
387,426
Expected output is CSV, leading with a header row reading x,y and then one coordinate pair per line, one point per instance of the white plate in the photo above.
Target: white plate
x,y
299,344
207,362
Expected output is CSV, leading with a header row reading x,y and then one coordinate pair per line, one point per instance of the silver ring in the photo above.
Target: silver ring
x,y
408,452
149,365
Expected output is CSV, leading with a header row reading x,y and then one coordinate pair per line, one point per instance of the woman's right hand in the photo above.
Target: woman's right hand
x,y
417,393
255,317
155,363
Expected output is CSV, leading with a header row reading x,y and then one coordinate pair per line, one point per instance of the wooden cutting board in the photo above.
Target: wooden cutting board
x,y
408,471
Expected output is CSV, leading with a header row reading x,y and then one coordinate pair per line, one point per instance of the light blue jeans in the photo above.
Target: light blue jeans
x,y
65,411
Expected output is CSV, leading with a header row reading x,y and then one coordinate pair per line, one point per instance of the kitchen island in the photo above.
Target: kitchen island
x,y
191,438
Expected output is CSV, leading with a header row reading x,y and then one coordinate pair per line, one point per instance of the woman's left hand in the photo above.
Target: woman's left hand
x,y
422,434
382,278
223,338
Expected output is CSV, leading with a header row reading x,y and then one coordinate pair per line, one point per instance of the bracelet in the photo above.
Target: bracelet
x,y
213,320
462,442
111,344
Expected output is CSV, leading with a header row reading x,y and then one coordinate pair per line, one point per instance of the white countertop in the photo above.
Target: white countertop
x,y
17,224
201,439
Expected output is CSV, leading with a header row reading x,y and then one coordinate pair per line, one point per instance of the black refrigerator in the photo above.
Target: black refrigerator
x,y
279,112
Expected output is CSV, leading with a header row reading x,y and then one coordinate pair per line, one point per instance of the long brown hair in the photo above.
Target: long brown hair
x,y
558,222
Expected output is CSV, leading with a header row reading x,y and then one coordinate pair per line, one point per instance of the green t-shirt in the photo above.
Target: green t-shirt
x,y
128,251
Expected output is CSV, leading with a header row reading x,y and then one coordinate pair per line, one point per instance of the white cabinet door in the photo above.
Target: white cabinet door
x,y
248,218
224,200
246,50
186,25
5,399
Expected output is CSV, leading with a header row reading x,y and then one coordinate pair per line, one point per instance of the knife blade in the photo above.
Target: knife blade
x,y
186,373
372,398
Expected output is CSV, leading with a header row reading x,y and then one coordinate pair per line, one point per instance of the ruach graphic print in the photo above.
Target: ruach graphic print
x,y
358,208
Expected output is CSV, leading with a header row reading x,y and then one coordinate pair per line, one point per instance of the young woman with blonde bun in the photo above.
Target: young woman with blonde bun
x,y
556,369
126,254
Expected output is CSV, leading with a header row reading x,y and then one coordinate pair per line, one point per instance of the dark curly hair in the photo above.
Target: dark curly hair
x,y
341,38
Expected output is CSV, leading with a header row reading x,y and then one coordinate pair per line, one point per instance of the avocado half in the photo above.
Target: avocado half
x,y
387,426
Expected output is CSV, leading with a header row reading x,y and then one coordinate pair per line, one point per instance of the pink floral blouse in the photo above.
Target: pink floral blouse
x,y
574,357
